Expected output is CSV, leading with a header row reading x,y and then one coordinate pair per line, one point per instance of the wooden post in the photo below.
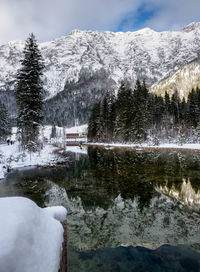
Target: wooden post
x,y
64,257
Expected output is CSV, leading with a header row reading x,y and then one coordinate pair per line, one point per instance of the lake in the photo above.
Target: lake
x,y
128,210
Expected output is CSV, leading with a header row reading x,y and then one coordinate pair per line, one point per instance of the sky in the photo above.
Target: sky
x,y
50,19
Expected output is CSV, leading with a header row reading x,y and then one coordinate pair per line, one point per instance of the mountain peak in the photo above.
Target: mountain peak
x,y
191,27
76,32
146,29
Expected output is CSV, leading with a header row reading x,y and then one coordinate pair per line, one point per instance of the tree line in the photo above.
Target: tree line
x,y
140,116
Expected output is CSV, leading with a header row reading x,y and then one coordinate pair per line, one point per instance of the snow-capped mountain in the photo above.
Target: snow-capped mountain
x,y
183,80
88,60
145,54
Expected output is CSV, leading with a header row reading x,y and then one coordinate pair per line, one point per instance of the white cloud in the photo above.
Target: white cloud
x,y
173,14
49,19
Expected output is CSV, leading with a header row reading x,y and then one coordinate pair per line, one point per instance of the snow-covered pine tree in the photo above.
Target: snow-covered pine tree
x,y
140,107
94,123
29,94
5,128
104,115
193,108
123,127
111,116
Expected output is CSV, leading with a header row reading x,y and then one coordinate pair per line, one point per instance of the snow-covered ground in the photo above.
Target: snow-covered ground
x,y
12,157
31,238
77,149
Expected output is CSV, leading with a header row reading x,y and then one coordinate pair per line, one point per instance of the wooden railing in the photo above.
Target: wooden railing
x,y
64,257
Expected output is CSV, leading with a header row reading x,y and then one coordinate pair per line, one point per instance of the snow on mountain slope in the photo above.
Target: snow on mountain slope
x,y
144,54
183,80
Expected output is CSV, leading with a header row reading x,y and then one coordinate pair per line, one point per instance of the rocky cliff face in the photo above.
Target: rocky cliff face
x,y
183,80
144,54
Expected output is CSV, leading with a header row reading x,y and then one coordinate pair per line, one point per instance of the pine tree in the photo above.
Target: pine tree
x,y
183,110
167,120
103,125
111,116
140,115
124,106
175,105
5,128
29,94
167,104
93,124
193,108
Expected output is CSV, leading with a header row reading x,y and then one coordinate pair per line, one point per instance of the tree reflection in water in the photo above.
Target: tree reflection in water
x,y
120,197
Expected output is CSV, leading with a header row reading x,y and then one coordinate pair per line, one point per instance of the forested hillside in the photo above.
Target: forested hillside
x,y
75,102
139,116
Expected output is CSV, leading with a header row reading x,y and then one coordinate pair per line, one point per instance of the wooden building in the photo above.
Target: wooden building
x,y
76,138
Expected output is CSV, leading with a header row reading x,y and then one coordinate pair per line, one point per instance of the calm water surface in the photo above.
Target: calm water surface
x,y
128,210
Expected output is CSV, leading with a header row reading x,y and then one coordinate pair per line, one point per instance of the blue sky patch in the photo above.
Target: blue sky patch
x,y
134,22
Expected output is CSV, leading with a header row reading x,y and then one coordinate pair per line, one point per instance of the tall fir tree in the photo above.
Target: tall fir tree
x,y
167,122
140,115
175,106
193,113
29,94
111,116
124,106
94,123
103,128
5,127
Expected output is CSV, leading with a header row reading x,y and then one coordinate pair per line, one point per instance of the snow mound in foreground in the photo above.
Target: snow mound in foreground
x,y
31,237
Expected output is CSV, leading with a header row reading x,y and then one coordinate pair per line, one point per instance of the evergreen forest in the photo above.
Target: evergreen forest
x,y
138,116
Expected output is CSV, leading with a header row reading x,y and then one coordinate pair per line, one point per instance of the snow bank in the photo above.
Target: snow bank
x,y
31,238
77,149
12,157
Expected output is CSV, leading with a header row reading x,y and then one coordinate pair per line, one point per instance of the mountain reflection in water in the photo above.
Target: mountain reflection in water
x,y
186,194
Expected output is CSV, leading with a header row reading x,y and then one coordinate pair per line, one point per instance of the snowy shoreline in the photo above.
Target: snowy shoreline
x,y
11,157
184,147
